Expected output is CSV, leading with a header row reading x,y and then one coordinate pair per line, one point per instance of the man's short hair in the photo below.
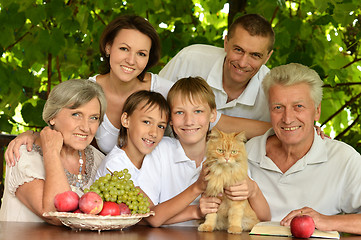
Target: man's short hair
x,y
291,74
255,25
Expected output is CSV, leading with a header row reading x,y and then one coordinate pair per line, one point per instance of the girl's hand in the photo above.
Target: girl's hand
x,y
12,153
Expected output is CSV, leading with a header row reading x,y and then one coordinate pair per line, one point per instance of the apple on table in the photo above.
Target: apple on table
x,y
66,202
91,203
302,226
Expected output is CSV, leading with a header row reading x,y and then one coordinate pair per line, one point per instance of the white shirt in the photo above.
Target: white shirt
x,y
171,174
107,134
117,160
207,62
30,167
327,178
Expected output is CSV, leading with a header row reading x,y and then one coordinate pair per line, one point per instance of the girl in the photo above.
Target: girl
x,y
143,121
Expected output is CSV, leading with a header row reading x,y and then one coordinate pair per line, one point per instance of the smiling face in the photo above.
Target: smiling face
x,y
129,54
245,56
293,113
145,128
78,126
190,119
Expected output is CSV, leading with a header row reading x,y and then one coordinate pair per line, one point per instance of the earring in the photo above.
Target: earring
x,y
107,55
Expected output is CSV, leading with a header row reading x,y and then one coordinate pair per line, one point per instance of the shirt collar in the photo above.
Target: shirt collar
x,y
216,73
316,154
249,95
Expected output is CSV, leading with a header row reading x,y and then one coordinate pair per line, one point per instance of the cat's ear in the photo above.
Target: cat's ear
x,y
241,136
215,133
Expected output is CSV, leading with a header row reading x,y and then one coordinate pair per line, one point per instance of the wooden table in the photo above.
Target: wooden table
x,y
43,231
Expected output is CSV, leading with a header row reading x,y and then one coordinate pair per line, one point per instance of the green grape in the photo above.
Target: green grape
x,y
118,187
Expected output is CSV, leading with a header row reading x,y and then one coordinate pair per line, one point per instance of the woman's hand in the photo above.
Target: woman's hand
x,y
12,153
51,141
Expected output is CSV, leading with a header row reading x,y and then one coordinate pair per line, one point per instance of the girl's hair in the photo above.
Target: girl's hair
x,y
130,22
291,74
144,99
73,94
192,89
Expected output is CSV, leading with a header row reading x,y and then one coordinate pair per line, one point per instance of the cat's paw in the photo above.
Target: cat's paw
x,y
235,230
205,228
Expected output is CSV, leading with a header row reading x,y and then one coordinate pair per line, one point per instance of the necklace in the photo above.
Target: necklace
x,y
80,176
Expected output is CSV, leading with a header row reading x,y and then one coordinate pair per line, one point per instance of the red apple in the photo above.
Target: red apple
x,y
302,226
77,211
110,208
124,209
91,203
66,202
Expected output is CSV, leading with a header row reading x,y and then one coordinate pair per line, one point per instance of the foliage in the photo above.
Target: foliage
x,y
44,42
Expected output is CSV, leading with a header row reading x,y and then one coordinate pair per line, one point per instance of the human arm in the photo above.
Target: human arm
x,y
38,195
251,127
248,189
12,153
178,209
348,223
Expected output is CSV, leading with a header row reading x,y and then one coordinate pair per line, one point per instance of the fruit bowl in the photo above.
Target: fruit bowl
x,y
80,221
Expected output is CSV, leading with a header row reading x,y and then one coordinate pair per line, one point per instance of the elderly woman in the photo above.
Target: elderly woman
x,y
62,158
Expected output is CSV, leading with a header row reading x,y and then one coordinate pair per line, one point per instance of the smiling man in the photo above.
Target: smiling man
x,y
297,171
234,72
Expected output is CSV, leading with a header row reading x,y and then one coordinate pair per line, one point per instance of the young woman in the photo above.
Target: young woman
x,y
62,158
130,46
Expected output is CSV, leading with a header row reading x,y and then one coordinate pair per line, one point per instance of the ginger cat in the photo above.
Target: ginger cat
x,y
228,164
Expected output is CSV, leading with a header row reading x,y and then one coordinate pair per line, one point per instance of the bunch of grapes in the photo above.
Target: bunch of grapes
x,y
118,187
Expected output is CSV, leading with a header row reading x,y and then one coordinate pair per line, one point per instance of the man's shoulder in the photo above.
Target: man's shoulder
x,y
333,145
201,49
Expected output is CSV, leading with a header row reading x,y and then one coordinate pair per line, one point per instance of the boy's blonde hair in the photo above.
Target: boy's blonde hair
x,y
192,89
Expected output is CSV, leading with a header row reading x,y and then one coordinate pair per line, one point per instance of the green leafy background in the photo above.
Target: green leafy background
x,y
44,42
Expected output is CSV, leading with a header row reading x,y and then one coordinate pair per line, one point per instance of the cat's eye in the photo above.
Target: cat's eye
x,y
220,150
234,151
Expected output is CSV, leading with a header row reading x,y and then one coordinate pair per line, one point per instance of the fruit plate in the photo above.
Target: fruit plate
x,y
80,221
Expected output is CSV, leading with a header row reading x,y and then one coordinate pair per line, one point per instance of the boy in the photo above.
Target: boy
x,y
177,179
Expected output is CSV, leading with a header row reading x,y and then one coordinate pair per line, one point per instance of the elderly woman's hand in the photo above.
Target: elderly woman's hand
x,y
51,140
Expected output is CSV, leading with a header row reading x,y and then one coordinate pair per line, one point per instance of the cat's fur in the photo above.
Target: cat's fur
x,y
233,216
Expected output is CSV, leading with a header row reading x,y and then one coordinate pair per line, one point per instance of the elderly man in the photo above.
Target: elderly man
x,y
297,171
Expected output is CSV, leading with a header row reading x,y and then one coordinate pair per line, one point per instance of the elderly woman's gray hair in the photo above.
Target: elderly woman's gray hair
x,y
73,94
291,74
